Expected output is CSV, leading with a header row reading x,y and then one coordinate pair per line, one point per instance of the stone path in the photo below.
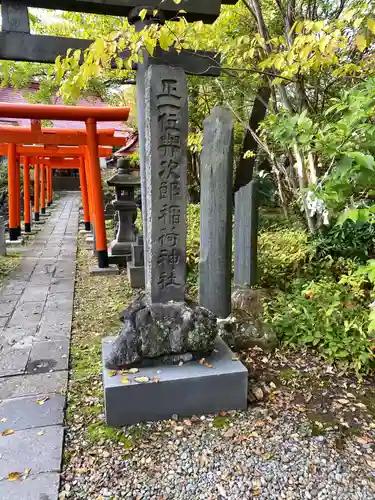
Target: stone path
x,y
36,307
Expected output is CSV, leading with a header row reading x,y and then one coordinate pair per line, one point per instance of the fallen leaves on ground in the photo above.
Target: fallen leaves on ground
x,y
112,373
26,473
133,370
208,365
142,380
4,420
7,432
125,380
156,380
42,400
14,476
41,433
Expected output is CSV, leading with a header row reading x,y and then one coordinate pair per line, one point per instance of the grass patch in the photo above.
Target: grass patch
x,y
7,264
97,303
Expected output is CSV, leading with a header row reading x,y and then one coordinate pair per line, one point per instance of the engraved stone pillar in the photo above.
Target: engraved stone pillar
x,y
246,235
124,183
215,266
166,131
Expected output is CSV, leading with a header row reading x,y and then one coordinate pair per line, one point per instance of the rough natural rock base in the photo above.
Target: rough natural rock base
x,y
162,391
164,333
245,332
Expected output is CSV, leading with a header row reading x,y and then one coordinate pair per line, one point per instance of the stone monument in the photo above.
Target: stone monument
x,y
136,266
124,183
246,234
215,266
171,343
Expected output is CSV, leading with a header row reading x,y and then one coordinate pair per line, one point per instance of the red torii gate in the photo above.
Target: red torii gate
x,y
91,138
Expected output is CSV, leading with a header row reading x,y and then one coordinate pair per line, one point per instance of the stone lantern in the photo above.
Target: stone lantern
x,y
125,183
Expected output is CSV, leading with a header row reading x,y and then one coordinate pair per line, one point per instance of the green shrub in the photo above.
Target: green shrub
x,y
350,240
282,256
328,316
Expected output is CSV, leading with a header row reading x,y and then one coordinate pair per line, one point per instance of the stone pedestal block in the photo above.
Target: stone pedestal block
x,y
190,389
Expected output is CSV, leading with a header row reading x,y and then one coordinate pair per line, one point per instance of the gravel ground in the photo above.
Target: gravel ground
x,y
307,434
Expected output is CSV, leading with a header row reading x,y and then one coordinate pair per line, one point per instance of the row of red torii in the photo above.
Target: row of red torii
x,y
45,149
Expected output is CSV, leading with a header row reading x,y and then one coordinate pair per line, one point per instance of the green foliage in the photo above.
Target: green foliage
x,y
282,255
349,240
327,316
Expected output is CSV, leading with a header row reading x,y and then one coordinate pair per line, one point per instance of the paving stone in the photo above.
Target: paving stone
x,y
26,449
16,334
14,287
55,325
49,356
27,314
7,306
13,361
3,321
27,385
35,293
62,285
26,413
36,487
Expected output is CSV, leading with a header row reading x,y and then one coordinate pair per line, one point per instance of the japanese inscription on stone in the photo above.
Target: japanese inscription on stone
x,y
166,182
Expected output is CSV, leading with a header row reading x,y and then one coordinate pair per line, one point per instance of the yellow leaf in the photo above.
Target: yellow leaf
x,y
142,380
26,473
112,373
177,1
143,14
361,42
371,25
125,380
8,432
14,476
42,401
4,420
133,370
235,358
41,433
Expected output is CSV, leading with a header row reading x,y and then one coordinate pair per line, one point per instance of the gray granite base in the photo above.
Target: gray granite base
x,y
111,270
190,389
136,276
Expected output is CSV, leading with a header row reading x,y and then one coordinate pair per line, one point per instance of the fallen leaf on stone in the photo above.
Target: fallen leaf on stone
x,y
133,370
41,433
203,460
4,420
208,365
371,463
313,468
229,433
181,363
273,385
42,401
26,473
156,380
253,434
267,456
258,393
141,380
221,491
112,373
256,491
125,380
14,476
202,361
7,432
343,401
235,358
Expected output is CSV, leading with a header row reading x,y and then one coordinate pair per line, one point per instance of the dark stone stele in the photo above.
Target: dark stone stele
x,y
162,333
